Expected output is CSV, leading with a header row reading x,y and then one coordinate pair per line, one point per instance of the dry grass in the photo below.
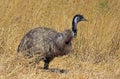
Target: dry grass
x,y
96,52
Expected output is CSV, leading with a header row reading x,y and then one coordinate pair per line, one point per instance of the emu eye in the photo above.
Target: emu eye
x,y
77,19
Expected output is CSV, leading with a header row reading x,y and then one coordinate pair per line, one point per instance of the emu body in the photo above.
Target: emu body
x,y
45,44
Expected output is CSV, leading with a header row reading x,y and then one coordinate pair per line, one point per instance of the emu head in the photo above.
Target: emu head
x,y
76,19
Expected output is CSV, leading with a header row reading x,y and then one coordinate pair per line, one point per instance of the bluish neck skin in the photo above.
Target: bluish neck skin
x,y
74,27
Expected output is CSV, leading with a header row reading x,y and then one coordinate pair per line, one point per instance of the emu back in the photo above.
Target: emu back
x,y
38,40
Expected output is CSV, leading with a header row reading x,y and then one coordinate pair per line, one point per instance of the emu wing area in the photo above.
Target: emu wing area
x,y
38,40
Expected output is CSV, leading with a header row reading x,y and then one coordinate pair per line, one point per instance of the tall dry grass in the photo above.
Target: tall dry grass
x,y
96,52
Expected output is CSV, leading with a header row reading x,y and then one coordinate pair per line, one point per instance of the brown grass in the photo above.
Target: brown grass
x,y
96,52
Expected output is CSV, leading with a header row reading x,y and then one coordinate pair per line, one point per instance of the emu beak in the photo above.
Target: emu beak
x,y
84,19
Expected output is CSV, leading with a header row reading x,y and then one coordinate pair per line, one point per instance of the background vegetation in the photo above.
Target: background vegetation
x,y
96,53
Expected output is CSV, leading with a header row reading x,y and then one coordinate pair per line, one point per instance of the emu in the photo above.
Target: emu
x,y
45,43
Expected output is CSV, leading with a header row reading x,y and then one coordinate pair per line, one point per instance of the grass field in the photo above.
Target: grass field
x,y
96,53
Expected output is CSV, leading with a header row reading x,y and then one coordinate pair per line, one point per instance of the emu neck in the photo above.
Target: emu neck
x,y
74,28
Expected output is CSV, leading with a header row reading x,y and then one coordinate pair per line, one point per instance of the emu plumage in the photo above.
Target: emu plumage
x,y
45,44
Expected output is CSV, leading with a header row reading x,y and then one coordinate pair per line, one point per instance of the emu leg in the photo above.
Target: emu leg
x,y
46,62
